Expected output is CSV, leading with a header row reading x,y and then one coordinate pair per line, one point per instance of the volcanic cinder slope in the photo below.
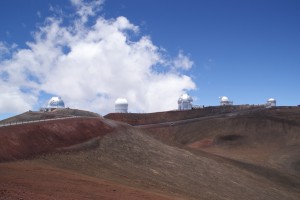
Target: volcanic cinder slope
x,y
211,153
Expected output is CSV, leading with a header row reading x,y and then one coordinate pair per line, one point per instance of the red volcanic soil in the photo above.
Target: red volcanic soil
x,y
226,153
28,180
27,140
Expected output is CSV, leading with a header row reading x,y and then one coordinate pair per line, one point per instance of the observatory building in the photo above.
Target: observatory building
x,y
271,102
185,102
53,104
121,105
224,101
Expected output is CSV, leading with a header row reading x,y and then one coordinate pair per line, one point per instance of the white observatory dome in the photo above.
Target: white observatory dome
x,y
271,102
224,101
185,102
121,105
56,102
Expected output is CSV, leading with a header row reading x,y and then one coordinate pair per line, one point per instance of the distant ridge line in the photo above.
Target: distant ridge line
x,y
40,120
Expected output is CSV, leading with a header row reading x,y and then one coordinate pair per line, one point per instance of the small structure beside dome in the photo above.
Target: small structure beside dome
x,y
271,102
224,101
185,102
121,105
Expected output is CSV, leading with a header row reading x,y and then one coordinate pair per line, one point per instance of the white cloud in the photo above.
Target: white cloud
x,y
6,49
91,66
3,49
182,62
87,8
12,100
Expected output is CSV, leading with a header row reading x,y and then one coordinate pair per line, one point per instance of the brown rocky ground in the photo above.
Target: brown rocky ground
x,y
31,180
232,154
27,140
269,137
174,115
59,113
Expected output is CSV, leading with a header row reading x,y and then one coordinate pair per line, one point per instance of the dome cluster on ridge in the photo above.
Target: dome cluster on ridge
x,y
121,104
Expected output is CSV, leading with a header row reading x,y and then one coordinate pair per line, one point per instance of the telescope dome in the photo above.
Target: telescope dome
x,y
121,105
271,102
185,102
56,102
224,101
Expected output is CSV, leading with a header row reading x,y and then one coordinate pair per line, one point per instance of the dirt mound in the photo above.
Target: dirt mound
x,y
59,113
130,157
160,117
243,154
75,112
22,141
266,137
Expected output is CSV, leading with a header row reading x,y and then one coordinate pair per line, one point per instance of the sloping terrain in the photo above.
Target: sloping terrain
x,y
128,156
224,155
29,180
269,137
159,117
59,113
27,140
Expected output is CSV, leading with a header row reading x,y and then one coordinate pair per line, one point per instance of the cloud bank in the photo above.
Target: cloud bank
x,y
90,63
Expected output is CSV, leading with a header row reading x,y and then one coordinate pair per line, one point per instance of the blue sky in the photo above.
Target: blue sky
x,y
247,50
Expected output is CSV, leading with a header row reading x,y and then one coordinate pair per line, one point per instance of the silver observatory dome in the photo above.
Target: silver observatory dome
x,y
56,102
185,102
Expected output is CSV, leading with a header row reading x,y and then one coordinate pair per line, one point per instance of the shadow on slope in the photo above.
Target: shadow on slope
x,y
267,137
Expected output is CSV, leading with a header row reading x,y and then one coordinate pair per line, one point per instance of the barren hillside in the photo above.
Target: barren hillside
x,y
227,154
27,140
159,117
269,137
59,113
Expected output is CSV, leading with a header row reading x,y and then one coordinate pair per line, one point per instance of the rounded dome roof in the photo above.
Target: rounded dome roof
x,y
121,101
224,99
56,102
185,97
271,100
